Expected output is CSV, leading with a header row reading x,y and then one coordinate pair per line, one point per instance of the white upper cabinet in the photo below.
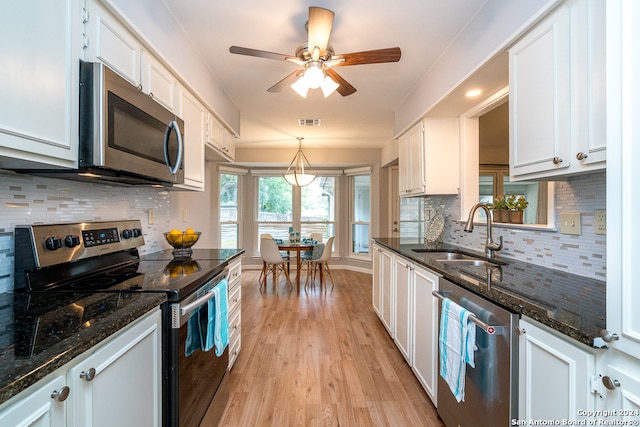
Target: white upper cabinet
x,y
220,143
428,156
158,82
557,94
194,114
109,42
39,83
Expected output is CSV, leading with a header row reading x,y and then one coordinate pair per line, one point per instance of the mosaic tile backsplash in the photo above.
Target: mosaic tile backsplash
x,y
584,255
32,200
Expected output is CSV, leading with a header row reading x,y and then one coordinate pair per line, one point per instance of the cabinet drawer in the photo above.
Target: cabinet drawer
x,y
235,269
235,319
235,298
234,350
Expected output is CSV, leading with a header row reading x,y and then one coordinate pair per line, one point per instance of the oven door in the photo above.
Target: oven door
x,y
195,375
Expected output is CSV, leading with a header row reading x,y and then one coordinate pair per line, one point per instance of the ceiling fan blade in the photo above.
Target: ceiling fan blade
x,y
319,28
378,56
262,54
287,81
345,88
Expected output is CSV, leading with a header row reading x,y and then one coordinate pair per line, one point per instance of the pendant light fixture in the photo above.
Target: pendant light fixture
x,y
299,171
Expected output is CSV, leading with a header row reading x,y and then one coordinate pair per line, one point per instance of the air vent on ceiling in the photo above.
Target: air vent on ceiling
x,y
309,122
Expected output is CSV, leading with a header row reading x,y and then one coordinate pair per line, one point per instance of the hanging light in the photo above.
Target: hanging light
x,y
299,171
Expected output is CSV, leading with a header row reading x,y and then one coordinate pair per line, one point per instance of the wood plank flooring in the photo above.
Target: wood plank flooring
x,y
319,359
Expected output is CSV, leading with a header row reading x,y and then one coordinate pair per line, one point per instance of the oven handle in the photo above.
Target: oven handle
x,y
189,308
487,328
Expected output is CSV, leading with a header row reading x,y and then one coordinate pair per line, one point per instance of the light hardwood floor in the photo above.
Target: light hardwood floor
x,y
319,359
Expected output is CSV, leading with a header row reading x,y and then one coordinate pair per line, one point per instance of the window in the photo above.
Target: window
x,y
360,189
275,207
229,212
317,207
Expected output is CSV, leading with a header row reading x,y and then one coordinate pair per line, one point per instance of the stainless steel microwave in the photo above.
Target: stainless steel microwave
x,y
125,137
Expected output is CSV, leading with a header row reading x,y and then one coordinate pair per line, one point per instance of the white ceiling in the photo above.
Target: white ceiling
x,y
421,28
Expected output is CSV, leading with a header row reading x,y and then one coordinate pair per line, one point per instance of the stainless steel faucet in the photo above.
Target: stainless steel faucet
x,y
490,247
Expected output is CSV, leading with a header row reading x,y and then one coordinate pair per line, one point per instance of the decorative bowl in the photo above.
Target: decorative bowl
x,y
181,241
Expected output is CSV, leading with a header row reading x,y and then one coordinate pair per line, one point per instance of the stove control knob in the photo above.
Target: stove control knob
x,y
127,234
72,240
52,243
137,232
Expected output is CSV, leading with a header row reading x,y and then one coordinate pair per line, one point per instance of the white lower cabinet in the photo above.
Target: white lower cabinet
x,y
425,330
402,271
235,312
555,375
116,383
39,408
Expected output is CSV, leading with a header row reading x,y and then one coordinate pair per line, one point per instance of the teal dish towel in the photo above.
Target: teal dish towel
x,y
194,336
218,321
457,345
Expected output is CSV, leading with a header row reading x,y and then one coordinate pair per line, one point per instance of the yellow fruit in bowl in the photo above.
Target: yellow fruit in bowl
x,y
189,231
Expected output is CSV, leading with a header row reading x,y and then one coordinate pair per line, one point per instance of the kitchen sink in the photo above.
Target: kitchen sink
x,y
455,258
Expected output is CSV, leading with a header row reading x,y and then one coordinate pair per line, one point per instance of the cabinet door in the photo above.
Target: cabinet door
x,y
539,97
411,162
402,270
158,82
39,83
387,287
112,44
425,331
554,376
126,389
38,408
624,399
376,282
195,119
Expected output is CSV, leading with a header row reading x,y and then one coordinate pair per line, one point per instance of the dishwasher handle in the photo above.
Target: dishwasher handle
x,y
487,328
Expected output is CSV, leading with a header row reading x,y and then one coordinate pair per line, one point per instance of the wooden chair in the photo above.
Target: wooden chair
x,y
321,265
272,262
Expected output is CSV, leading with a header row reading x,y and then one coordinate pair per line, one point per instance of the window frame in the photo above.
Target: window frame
x,y
351,175
239,222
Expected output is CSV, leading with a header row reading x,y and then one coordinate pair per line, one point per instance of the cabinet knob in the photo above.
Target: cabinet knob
x,y
151,95
609,383
140,87
88,375
61,395
608,336
581,156
557,160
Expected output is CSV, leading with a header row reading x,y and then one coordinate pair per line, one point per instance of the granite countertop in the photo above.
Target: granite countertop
x,y
35,353
571,304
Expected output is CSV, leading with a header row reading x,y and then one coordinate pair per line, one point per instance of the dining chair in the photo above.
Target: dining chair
x,y
272,262
321,265
283,254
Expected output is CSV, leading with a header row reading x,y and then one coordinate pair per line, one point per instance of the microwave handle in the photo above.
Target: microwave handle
x,y
173,126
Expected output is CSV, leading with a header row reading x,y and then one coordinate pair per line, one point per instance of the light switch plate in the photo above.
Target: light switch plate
x,y
570,223
601,221
152,216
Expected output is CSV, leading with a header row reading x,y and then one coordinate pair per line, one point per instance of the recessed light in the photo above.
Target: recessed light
x,y
474,92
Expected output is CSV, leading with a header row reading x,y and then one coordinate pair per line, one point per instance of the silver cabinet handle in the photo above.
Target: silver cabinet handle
x,y
61,395
608,336
557,160
581,156
609,383
88,375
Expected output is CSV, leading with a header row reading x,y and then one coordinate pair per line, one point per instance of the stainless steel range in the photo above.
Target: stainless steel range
x,y
100,260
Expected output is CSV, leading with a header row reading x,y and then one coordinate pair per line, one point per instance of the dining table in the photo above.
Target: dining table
x,y
298,248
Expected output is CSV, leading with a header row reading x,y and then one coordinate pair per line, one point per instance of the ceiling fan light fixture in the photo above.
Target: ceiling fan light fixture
x,y
299,172
329,86
314,75
301,87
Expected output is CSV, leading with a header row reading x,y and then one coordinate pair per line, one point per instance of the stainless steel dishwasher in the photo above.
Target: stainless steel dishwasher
x,y
491,389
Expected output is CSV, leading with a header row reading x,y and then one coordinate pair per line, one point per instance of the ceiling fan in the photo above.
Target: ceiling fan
x,y
318,58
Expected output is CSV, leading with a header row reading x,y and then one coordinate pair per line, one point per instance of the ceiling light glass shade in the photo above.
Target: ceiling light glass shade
x,y
299,171
301,87
314,75
329,86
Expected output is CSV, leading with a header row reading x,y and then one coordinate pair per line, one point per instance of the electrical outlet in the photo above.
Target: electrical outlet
x,y
185,217
570,223
601,221
152,216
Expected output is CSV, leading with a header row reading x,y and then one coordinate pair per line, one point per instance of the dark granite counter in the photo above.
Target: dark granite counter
x,y
571,304
45,339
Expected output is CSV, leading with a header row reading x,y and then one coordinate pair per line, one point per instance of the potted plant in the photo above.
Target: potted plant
x,y
516,208
500,209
